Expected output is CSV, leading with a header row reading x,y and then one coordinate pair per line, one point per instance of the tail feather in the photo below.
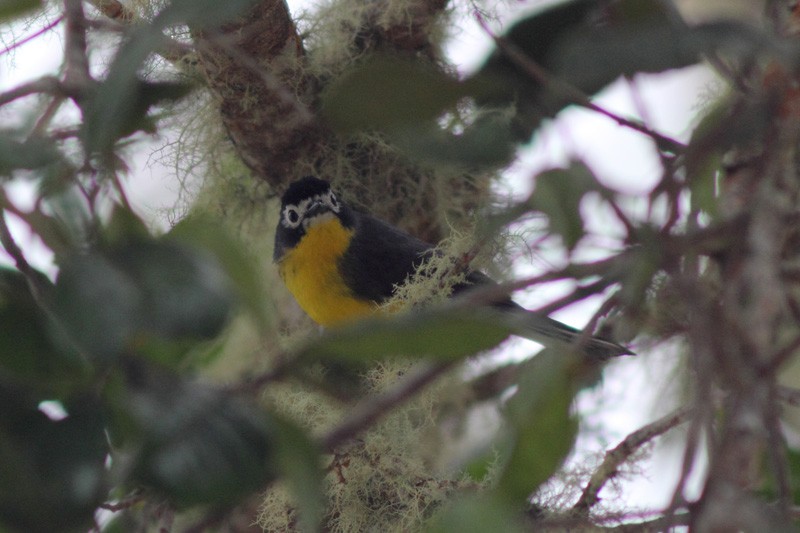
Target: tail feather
x,y
541,328
548,331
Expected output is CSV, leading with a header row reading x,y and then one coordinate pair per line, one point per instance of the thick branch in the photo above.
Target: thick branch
x,y
76,73
251,65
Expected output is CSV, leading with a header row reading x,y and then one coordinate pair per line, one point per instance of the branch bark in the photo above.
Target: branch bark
x,y
623,451
269,133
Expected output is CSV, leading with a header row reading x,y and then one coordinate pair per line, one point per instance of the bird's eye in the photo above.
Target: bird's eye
x,y
333,201
292,216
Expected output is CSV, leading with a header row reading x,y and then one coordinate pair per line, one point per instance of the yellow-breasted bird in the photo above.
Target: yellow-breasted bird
x,y
341,264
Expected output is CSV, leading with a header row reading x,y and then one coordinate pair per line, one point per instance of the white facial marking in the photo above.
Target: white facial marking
x,y
294,215
317,219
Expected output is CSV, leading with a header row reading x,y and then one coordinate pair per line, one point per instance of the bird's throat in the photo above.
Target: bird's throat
x,y
311,273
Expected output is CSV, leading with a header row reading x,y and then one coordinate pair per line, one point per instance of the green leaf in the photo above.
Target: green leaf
x,y
586,45
724,127
234,258
185,294
124,227
108,118
57,462
386,92
30,154
299,461
54,235
146,294
544,431
476,514
11,9
443,334
769,486
98,306
70,225
27,356
119,105
558,195
637,39
486,142
195,443
201,13
536,36
646,263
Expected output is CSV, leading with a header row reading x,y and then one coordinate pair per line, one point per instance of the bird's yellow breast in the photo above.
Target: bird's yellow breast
x,y
311,273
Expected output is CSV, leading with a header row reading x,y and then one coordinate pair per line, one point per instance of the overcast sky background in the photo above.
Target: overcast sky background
x,y
633,391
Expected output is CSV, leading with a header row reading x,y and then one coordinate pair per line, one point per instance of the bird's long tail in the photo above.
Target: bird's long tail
x,y
545,330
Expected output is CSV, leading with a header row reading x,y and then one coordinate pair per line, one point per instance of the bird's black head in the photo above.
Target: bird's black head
x,y
307,201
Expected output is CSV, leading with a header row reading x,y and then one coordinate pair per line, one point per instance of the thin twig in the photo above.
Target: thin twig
x,y
662,523
576,295
121,505
370,410
777,452
572,93
623,451
492,293
32,276
644,522
114,10
256,383
591,325
38,33
44,120
641,108
789,395
45,84
123,197
689,458
630,228
775,361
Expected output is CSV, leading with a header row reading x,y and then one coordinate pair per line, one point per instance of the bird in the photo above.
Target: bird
x,y
341,264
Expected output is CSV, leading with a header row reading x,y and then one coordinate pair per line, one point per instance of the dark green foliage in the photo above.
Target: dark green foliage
x,y
192,444
10,9
560,56
113,318
28,154
444,334
119,105
52,473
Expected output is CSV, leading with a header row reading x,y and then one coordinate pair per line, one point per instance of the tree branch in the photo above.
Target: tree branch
x,y
34,278
623,451
77,77
45,84
269,134
38,33
370,410
572,93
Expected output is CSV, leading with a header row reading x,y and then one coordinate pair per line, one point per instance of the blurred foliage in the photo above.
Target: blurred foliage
x,y
113,338
545,62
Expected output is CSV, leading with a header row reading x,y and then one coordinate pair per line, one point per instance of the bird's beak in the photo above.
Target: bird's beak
x,y
316,213
315,208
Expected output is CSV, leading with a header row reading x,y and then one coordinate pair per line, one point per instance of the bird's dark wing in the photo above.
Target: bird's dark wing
x,y
379,257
